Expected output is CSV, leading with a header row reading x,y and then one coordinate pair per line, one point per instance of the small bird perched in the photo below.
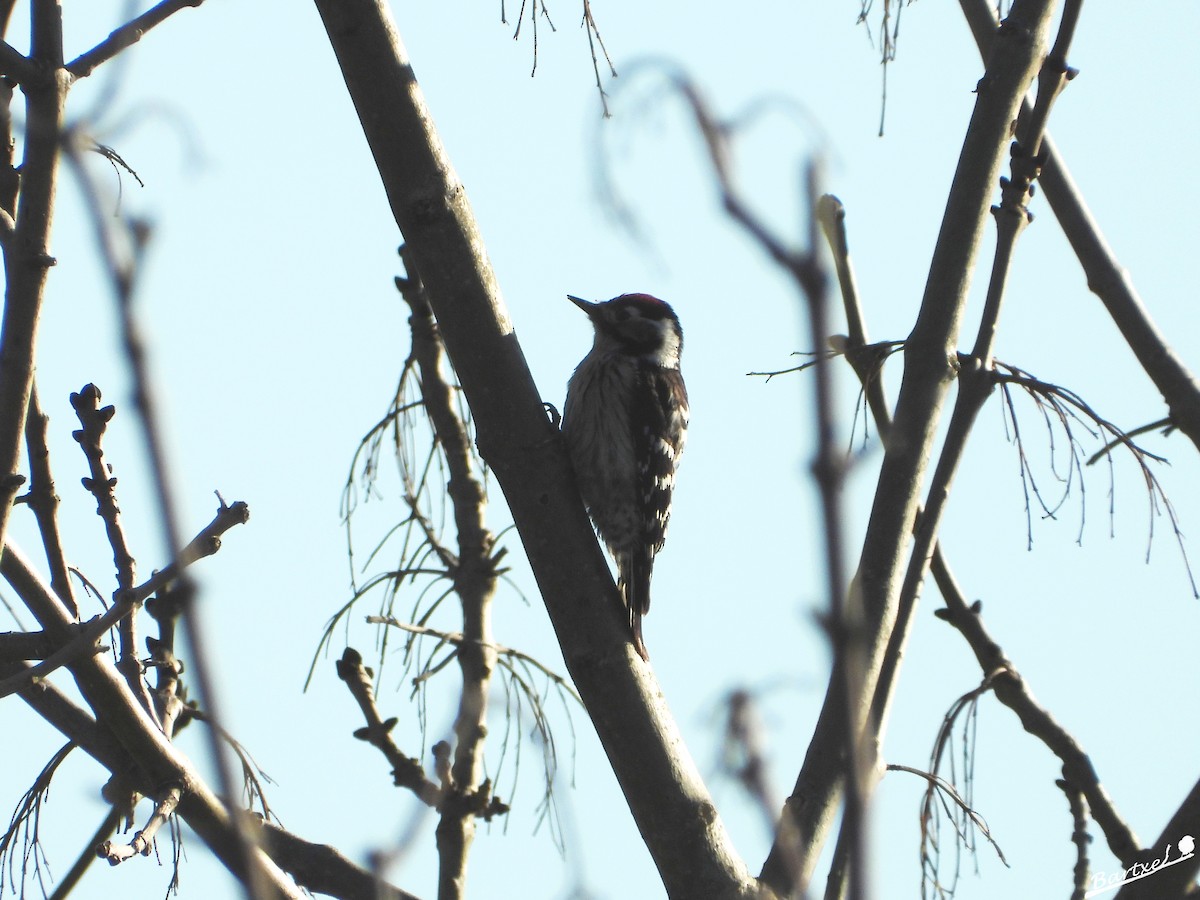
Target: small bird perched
x,y
625,422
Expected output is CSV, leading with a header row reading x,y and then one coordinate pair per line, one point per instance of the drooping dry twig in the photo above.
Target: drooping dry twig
x,y
534,7
20,844
588,22
963,816
1066,408
253,776
888,33
520,672
456,639
538,9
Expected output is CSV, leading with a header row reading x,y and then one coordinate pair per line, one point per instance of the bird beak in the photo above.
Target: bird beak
x,y
582,304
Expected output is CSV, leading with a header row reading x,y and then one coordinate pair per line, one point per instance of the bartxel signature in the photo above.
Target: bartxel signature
x,y
1102,883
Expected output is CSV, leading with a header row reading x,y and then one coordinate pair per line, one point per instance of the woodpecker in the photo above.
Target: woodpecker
x,y
625,422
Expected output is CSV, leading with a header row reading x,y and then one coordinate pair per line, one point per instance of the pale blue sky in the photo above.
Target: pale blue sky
x,y
277,338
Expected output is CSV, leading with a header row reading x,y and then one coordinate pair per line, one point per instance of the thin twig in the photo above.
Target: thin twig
x,y
205,543
964,708
126,36
1079,837
44,501
102,484
947,789
83,644
593,36
456,639
406,771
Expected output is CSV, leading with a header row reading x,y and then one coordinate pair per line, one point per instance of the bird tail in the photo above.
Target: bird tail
x,y
635,590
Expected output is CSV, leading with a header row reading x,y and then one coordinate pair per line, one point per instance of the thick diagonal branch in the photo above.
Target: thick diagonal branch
x,y
661,783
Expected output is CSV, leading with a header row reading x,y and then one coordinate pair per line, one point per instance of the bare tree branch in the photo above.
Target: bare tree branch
x,y
1111,283
324,870
27,258
102,485
317,866
44,501
86,642
806,267
126,36
1079,837
115,852
158,761
1012,690
474,574
15,65
1178,880
929,362
666,795
406,770
206,542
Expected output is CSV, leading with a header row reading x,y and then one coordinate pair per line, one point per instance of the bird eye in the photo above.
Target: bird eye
x,y
622,315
